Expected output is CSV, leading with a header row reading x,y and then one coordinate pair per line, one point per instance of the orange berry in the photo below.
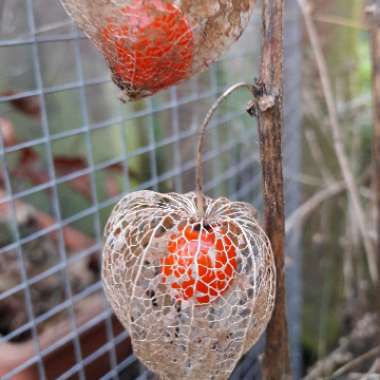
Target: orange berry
x,y
148,45
199,265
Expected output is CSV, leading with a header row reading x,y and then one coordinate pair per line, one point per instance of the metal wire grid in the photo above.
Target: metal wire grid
x,y
231,161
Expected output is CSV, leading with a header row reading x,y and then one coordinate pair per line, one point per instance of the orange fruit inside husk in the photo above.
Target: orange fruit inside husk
x,y
148,45
200,264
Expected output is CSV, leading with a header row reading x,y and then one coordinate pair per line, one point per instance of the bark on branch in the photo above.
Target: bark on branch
x,y
276,358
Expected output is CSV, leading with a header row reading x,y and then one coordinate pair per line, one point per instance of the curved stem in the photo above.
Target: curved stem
x,y
201,142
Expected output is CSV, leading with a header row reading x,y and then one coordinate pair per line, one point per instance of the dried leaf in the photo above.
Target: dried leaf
x,y
29,167
112,186
119,168
82,185
29,106
28,156
7,132
75,240
66,165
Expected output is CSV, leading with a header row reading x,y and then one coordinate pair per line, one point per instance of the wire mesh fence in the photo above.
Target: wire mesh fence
x,y
69,150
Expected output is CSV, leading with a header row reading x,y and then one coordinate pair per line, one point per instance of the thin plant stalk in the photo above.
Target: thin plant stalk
x,y
199,177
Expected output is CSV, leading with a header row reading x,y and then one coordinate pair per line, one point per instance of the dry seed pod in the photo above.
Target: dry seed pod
x,y
152,44
195,292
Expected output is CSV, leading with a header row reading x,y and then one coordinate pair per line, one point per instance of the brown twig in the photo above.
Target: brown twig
x,y
337,138
374,368
312,203
332,190
340,21
317,155
350,346
276,358
356,362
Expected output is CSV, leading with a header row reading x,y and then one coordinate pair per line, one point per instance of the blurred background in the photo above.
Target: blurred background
x,y
339,291
69,150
